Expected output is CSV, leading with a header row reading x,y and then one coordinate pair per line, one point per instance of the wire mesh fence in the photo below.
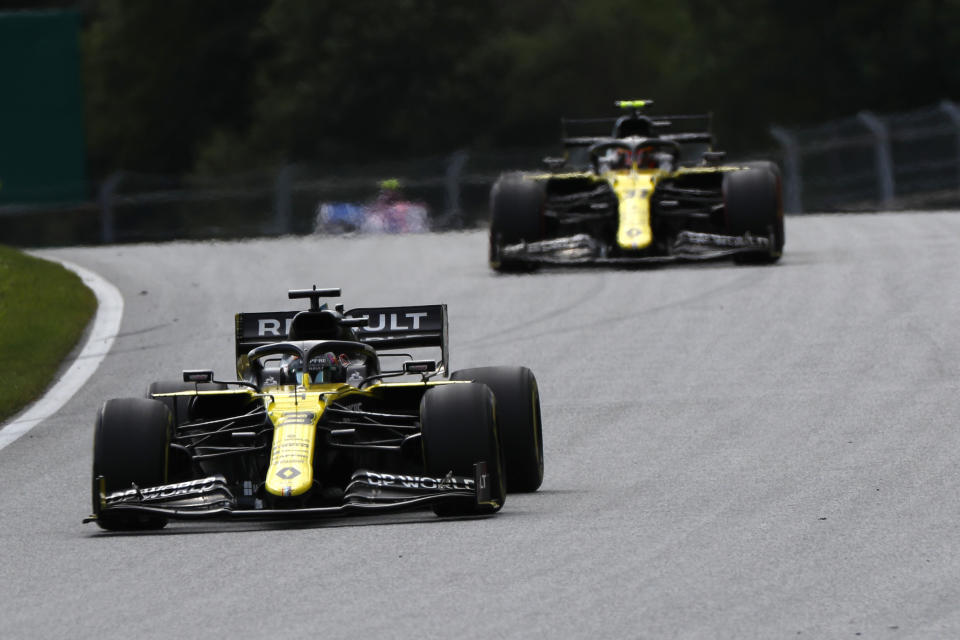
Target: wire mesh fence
x,y
863,162
130,207
871,161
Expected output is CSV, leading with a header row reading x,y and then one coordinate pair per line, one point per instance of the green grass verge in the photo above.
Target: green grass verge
x,y
43,311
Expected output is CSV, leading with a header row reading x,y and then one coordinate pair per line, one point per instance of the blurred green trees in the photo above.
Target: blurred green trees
x,y
161,75
179,86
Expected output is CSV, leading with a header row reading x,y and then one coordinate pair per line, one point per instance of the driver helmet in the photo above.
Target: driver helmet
x,y
389,191
326,368
645,157
390,184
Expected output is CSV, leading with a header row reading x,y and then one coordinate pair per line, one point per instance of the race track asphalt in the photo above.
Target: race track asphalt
x,y
731,451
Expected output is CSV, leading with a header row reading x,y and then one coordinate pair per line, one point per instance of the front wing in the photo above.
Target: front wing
x,y
212,498
581,249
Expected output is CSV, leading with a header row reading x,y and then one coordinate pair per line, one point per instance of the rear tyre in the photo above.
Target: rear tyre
x,y
458,429
131,442
754,203
518,420
516,215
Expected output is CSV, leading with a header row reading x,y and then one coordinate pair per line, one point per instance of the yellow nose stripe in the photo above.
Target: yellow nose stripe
x,y
294,440
633,192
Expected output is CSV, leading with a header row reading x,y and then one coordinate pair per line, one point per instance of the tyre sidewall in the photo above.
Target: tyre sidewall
x,y
459,429
131,446
516,215
519,421
753,204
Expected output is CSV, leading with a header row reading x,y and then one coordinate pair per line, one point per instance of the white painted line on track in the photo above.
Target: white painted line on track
x,y
106,324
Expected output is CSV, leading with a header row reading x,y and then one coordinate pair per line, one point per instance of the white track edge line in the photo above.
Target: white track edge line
x,y
106,325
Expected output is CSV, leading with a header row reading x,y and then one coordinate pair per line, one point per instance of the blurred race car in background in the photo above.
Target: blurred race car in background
x,y
389,212
645,193
314,426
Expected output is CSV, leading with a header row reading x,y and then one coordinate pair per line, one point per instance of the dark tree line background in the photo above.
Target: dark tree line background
x,y
188,86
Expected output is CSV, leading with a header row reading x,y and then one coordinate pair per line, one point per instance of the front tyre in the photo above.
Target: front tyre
x,y
518,419
754,204
516,215
458,429
131,442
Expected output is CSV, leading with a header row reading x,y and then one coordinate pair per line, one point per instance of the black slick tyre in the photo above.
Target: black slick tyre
x,y
518,420
131,442
458,429
754,204
516,215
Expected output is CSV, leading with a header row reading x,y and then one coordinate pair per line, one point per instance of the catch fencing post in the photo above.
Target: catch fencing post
x,y
107,192
793,188
452,215
884,156
283,200
953,112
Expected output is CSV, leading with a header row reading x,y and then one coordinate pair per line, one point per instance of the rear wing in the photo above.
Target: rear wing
x,y
257,329
679,138
387,328
391,328
659,126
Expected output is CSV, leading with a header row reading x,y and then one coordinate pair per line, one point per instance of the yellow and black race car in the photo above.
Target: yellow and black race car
x,y
646,193
327,418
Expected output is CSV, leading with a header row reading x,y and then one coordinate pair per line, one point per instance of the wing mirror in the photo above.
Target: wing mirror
x,y
419,366
554,163
198,375
713,157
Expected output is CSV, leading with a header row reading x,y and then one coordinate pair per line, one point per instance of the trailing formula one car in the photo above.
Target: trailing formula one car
x,y
646,193
389,212
315,426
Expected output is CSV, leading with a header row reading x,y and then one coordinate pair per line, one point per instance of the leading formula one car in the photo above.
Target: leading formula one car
x,y
324,420
646,193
